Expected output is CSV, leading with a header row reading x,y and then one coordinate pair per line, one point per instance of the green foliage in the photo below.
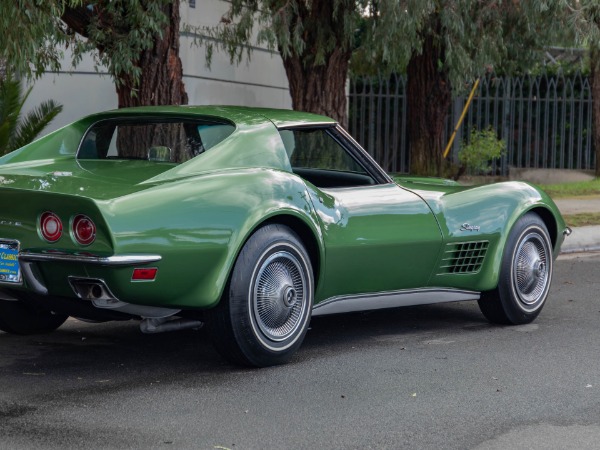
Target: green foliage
x,y
584,18
293,27
15,130
482,148
33,37
559,69
476,35
121,30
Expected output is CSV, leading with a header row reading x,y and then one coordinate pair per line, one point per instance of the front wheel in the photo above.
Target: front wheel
x,y
525,275
264,314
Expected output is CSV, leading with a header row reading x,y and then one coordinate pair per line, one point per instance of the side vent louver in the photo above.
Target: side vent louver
x,y
463,257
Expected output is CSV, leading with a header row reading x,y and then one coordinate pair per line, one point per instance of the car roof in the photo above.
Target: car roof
x,y
281,118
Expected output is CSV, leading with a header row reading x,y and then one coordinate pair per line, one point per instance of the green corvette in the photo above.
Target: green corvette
x,y
251,221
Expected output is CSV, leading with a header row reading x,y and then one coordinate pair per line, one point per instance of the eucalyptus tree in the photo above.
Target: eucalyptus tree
x,y
315,39
137,40
584,17
443,45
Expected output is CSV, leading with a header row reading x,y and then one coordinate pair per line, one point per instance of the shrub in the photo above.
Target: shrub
x,y
482,148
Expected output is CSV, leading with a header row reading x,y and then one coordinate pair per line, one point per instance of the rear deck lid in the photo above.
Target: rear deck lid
x,y
97,179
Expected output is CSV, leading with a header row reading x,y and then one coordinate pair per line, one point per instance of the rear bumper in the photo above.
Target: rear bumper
x,y
116,260
34,280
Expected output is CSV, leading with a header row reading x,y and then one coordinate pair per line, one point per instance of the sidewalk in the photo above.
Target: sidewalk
x,y
583,239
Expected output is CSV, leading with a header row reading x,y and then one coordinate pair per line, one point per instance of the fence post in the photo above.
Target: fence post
x,y
506,126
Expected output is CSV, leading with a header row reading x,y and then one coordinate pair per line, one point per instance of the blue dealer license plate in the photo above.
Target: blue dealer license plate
x,y
9,262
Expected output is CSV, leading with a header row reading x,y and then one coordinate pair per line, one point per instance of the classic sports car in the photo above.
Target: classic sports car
x,y
251,220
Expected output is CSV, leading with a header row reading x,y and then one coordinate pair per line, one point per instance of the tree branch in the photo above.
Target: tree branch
x,y
78,19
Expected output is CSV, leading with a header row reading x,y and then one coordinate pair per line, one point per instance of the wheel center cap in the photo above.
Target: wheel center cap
x,y
289,296
539,268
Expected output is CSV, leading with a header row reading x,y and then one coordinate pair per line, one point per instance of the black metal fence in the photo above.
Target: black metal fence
x,y
546,121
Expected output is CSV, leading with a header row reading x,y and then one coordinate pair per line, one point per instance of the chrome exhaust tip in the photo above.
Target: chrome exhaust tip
x,y
91,289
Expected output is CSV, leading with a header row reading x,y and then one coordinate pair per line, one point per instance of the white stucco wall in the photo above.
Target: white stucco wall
x,y
258,82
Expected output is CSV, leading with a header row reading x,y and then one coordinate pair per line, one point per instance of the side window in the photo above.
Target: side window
x,y
319,158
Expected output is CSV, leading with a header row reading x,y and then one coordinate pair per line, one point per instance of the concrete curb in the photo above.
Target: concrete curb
x,y
582,239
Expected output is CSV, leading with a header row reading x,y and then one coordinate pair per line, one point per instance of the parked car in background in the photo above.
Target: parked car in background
x,y
251,221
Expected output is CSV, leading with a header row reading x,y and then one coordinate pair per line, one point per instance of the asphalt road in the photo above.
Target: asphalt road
x,y
420,377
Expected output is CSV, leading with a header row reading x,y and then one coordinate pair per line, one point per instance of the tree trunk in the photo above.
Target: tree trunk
x,y
161,79
429,95
320,89
318,85
595,84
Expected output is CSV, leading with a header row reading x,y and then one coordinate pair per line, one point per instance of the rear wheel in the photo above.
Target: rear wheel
x,y
264,314
525,275
17,317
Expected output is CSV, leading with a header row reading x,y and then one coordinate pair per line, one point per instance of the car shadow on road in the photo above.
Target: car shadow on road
x,y
115,350
407,321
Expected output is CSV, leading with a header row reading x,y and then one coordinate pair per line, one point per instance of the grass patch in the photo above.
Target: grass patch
x,y
578,189
582,219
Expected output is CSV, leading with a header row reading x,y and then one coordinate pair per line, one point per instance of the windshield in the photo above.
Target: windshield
x,y
174,141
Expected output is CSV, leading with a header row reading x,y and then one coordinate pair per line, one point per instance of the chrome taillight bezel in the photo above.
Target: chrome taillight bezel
x,y
43,221
76,233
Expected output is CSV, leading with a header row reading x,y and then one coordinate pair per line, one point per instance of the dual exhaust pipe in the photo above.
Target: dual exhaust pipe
x,y
155,319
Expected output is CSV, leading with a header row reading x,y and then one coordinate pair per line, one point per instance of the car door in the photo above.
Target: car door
x,y
378,236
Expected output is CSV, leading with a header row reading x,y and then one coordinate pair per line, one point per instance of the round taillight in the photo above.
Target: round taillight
x,y
50,227
84,230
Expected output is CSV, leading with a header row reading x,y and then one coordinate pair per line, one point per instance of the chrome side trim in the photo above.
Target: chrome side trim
x,y
301,124
392,299
116,260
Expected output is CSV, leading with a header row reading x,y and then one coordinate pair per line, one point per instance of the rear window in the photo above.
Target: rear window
x,y
173,141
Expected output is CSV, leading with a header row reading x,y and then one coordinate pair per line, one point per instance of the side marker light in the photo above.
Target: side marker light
x,y
144,274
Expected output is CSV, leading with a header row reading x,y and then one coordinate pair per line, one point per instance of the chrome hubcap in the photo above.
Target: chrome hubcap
x,y
279,296
530,271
